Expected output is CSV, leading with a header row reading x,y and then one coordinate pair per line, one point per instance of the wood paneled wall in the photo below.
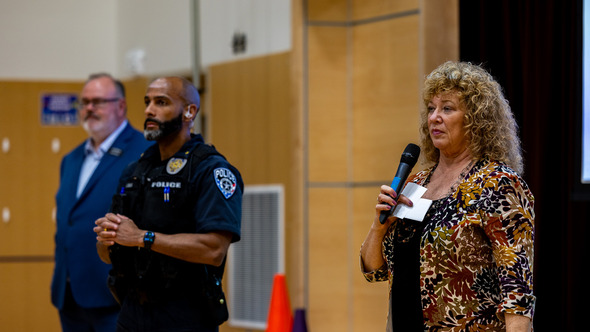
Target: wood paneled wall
x,y
250,118
363,93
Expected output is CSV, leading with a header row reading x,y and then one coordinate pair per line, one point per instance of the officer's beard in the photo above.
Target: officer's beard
x,y
164,128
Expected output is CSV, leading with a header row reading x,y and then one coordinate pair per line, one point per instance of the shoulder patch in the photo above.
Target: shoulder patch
x,y
175,165
225,180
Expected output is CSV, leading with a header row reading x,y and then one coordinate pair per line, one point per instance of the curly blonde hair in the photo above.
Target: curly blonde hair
x,y
489,124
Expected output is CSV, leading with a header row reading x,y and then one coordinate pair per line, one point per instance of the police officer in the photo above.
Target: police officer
x,y
171,225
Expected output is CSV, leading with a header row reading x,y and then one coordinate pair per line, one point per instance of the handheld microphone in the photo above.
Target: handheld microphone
x,y
408,160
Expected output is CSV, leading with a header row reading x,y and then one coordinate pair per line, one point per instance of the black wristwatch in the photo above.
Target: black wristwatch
x,y
148,239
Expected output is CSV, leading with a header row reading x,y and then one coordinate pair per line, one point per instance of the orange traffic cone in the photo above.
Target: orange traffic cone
x,y
280,318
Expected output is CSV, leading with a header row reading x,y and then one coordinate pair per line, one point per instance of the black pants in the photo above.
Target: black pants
x,y
78,319
174,312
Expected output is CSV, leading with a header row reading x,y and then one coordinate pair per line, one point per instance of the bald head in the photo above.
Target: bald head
x,y
172,103
183,89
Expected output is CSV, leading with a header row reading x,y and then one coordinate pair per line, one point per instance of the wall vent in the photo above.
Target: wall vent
x,y
257,257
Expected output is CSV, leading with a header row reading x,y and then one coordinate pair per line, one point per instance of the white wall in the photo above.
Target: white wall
x,y
57,39
161,30
68,39
266,23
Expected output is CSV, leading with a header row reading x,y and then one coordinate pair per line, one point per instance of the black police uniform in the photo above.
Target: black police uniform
x,y
195,191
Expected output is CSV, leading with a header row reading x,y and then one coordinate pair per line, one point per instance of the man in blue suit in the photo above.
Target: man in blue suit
x,y
88,178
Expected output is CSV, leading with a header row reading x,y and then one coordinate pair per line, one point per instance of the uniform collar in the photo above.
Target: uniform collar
x,y
153,152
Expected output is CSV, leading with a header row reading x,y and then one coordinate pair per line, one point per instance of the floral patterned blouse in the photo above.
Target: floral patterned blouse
x,y
476,253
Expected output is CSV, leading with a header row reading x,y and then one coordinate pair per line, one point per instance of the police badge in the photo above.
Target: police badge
x,y
175,165
226,181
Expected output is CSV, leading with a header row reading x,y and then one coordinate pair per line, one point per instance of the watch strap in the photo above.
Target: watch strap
x,y
148,239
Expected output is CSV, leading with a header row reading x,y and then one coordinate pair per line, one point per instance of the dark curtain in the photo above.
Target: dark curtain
x,y
533,49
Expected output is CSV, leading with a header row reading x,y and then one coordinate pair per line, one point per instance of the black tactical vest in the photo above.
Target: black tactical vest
x,y
161,202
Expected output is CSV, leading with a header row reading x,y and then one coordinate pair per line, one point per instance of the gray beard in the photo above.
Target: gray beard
x,y
165,128
153,135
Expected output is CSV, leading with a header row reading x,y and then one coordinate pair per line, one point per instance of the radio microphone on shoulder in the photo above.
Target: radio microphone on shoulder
x,y
407,162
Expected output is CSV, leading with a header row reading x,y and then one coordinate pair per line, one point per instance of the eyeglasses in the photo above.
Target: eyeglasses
x,y
95,102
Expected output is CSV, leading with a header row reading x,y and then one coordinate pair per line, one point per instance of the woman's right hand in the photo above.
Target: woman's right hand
x,y
371,256
386,201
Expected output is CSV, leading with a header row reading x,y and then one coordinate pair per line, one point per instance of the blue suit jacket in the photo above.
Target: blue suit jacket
x,y
75,242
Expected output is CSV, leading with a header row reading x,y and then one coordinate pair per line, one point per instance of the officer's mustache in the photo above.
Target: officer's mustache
x,y
160,123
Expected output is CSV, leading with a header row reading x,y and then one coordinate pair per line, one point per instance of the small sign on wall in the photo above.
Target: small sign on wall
x,y
59,109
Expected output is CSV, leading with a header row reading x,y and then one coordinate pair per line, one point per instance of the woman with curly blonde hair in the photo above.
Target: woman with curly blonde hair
x,y
467,265
489,124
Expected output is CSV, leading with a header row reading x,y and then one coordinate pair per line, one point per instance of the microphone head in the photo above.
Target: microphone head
x,y
411,154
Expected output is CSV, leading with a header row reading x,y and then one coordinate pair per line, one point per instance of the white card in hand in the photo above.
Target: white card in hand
x,y
421,205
